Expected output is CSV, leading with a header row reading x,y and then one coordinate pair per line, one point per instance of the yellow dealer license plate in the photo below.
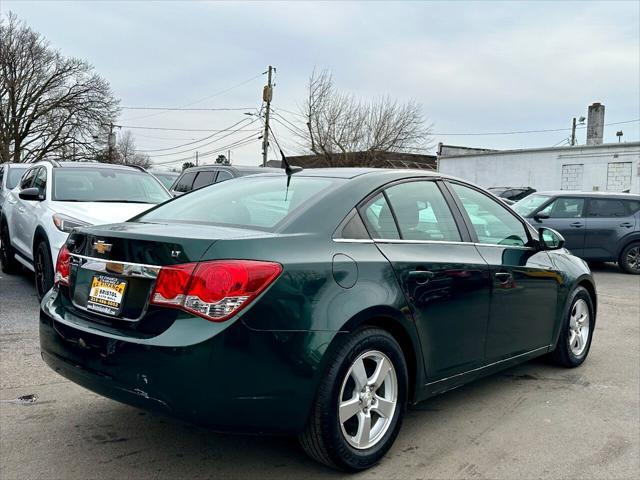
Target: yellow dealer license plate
x,y
106,294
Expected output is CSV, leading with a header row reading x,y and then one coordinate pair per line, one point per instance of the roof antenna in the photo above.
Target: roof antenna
x,y
288,168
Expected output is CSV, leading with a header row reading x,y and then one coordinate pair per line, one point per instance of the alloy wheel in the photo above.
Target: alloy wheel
x,y
579,326
368,399
633,258
39,268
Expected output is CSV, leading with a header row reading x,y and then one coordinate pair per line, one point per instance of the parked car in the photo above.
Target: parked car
x,y
319,308
512,194
597,226
10,174
198,177
55,197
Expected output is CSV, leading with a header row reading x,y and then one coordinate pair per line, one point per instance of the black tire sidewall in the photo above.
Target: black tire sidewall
x,y
343,454
622,261
9,264
563,351
43,247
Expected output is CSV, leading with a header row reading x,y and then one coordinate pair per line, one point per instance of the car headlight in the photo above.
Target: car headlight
x,y
66,224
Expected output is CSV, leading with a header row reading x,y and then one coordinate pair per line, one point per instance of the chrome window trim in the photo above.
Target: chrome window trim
x,y
352,240
446,242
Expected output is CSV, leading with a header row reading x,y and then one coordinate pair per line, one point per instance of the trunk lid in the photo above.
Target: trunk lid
x,y
114,267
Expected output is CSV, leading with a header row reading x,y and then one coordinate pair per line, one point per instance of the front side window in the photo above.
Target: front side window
x,y
422,212
79,184
606,208
565,208
40,180
260,202
27,179
185,182
492,222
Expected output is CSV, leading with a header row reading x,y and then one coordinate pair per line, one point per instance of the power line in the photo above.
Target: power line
x,y
528,131
236,144
231,132
135,127
208,97
294,126
197,140
182,109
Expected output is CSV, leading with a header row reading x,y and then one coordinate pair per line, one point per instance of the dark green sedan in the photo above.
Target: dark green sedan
x,y
319,308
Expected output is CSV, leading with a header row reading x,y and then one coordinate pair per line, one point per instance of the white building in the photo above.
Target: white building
x,y
613,167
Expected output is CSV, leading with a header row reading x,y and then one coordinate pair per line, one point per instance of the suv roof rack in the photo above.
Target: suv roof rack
x,y
137,167
53,162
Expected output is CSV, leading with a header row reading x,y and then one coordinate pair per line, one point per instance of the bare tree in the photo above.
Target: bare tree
x,y
125,152
339,125
50,105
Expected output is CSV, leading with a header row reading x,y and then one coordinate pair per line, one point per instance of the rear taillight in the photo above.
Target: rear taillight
x,y
63,267
214,290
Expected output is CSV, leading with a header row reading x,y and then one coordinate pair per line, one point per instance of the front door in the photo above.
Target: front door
x,y
445,280
566,215
524,282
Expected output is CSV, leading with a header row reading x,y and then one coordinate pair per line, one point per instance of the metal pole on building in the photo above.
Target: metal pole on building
x,y
267,94
573,132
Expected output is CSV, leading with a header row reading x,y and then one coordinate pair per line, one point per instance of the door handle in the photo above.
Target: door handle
x,y
503,277
626,224
576,224
421,276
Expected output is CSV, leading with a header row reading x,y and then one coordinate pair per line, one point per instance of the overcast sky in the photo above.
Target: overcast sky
x,y
473,66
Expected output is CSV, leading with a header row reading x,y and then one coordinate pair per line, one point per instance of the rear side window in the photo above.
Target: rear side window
x,y
185,182
422,212
492,222
606,207
379,218
565,208
260,202
204,178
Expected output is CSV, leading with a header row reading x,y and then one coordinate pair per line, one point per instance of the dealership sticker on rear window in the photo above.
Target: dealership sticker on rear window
x,y
106,294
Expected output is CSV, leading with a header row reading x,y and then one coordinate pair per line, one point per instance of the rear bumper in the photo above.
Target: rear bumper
x,y
238,380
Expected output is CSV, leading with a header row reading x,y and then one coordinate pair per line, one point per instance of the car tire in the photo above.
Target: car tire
x,y
576,332
8,260
43,268
379,404
629,261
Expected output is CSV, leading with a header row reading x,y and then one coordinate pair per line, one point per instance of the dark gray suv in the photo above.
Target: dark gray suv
x,y
202,176
596,226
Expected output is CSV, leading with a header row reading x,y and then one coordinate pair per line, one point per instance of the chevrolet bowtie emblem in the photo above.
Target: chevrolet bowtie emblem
x,y
101,247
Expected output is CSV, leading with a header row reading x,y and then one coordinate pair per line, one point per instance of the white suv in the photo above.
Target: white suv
x,y
55,197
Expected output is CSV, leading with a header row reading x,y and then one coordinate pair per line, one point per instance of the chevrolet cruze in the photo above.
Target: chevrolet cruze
x,y
318,305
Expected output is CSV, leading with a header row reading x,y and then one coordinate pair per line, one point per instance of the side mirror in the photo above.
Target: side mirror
x,y
541,216
549,239
32,193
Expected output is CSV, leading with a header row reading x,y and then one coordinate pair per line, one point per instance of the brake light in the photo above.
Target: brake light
x,y
214,290
63,267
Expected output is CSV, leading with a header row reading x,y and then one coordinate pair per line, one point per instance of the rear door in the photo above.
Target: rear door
x,y
608,220
567,216
524,280
444,278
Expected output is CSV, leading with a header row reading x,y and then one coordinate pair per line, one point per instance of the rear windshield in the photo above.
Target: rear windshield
x,y
106,185
254,202
15,174
528,204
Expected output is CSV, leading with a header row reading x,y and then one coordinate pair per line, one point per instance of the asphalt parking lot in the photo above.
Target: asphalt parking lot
x,y
532,421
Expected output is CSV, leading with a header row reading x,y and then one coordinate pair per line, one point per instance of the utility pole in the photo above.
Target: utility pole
x,y
573,132
111,141
267,95
196,158
229,156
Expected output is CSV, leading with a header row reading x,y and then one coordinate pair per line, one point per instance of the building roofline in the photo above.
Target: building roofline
x,y
567,149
